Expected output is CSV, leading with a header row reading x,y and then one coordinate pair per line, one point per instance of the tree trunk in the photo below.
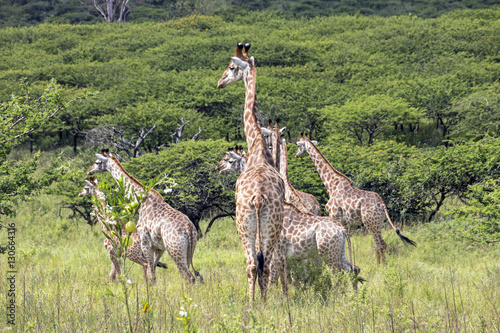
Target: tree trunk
x,y
75,142
31,143
438,206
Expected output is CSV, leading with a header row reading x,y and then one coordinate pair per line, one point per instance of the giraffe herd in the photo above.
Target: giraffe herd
x,y
274,221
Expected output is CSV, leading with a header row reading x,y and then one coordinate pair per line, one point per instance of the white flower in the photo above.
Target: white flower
x,y
108,221
183,314
129,281
167,190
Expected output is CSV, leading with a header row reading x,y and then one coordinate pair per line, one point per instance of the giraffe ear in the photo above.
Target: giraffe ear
x,y
252,61
101,158
240,63
300,143
282,130
314,142
89,184
233,155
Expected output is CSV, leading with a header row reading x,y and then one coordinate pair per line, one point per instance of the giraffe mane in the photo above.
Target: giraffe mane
x,y
134,180
334,170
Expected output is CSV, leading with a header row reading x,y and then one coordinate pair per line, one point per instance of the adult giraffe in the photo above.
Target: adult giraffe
x,y
349,204
161,227
260,190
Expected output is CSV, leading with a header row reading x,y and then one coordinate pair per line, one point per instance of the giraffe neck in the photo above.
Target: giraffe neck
x,y
257,150
118,172
290,193
331,178
100,196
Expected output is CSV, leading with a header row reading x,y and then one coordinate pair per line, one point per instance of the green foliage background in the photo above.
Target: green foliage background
x,y
385,97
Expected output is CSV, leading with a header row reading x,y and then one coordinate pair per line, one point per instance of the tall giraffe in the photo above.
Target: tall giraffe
x,y
260,190
234,161
349,204
161,227
134,252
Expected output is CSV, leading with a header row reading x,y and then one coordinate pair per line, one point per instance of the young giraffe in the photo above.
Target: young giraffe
x,y
235,162
303,232
161,227
259,190
134,252
349,204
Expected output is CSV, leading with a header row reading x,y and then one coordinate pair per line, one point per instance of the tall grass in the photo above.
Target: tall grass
x,y
62,286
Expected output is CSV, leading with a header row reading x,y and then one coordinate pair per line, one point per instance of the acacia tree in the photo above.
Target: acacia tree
x,y
369,116
192,185
21,116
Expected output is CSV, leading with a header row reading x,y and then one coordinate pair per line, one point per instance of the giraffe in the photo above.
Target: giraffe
x,y
259,189
233,161
349,204
134,252
304,231
160,227
299,199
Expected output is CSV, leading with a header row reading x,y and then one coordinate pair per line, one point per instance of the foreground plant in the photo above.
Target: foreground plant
x,y
119,216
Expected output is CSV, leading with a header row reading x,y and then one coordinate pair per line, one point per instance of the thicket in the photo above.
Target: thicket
x,y
24,12
405,106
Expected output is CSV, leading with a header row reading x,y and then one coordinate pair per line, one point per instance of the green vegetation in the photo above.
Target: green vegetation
x,y
441,285
405,106
23,12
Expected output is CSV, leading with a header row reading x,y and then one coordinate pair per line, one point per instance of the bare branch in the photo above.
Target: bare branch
x,y
177,135
115,137
197,135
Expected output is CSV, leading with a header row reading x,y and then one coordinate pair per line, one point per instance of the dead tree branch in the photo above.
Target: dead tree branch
x,y
115,138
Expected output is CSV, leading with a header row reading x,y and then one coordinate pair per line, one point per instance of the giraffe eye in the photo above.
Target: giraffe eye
x,y
231,68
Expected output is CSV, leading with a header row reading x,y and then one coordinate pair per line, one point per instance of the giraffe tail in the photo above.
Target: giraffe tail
x,y
346,236
405,239
257,202
161,265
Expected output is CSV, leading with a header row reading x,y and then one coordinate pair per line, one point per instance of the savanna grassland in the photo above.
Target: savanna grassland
x,y
441,285
406,106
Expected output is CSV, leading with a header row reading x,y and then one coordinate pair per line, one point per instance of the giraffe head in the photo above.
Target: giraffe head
x,y
303,144
233,161
89,189
238,66
101,164
268,133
